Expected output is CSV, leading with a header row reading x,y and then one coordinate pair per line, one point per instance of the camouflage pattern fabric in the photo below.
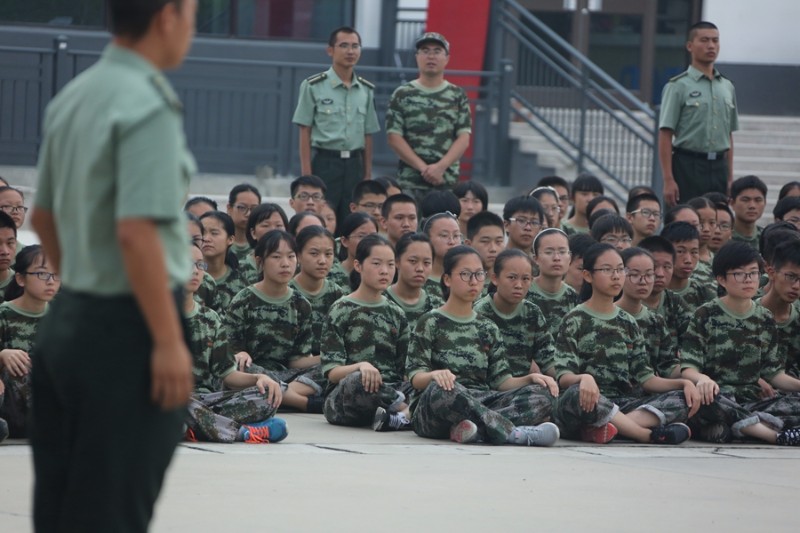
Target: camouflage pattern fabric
x,y
702,275
17,332
228,286
208,343
789,342
495,413
751,240
207,291
273,331
784,406
676,313
553,306
348,404
357,331
471,348
429,121
427,302
658,341
733,350
310,376
241,251
340,277
248,270
696,293
217,416
525,335
725,410
609,347
433,286
320,305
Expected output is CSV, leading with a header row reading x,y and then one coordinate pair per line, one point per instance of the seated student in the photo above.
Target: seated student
x,y
442,229
601,202
436,202
200,205
414,264
315,257
561,186
486,233
662,301
242,199
8,249
458,360
302,220
473,199
368,197
584,189
208,287
269,326
522,325
661,346
600,357
548,197
772,236
748,200
245,414
686,240
614,230
789,189
722,233
597,214
263,219
523,218
578,244
707,218
354,227
329,217
222,263
398,217
364,345
682,213
307,193
35,283
390,184
731,343
788,210
12,202
644,214
552,296
784,289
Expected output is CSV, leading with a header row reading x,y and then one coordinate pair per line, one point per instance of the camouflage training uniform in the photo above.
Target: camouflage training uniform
x,y
433,286
702,274
248,270
207,291
525,335
789,341
275,332
429,121
241,251
659,342
321,303
340,277
735,351
427,302
752,240
17,332
228,286
472,349
676,313
611,349
214,415
695,294
357,331
554,306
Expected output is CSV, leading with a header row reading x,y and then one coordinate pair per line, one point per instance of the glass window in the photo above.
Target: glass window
x,y
82,13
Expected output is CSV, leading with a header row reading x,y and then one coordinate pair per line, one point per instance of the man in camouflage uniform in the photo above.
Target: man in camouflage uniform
x,y
428,122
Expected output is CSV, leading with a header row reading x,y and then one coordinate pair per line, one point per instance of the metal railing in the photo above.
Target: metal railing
x,y
579,109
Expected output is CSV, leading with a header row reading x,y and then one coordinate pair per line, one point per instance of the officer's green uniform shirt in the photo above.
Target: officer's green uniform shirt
x,y
133,164
701,111
339,117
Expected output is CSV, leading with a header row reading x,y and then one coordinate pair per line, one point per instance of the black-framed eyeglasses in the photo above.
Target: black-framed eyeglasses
x,y
202,266
744,276
524,222
11,209
638,277
466,276
244,209
45,276
647,213
304,197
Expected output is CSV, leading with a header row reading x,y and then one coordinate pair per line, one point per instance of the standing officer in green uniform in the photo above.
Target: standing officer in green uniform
x,y
336,115
112,373
698,109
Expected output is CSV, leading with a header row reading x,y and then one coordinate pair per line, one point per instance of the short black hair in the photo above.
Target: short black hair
x,y
676,232
773,235
482,220
523,204
597,214
786,189
701,25
367,187
7,222
784,205
242,187
734,254
635,201
551,181
439,202
640,190
656,243
132,18
594,202
342,29
297,218
396,199
747,182
701,202
463,187
611,224
579,243
786,253
669,216
387,182
717,197
308,180
191,202
263,212
586,182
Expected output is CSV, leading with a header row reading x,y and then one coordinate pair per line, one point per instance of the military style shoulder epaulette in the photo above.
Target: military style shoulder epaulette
x,y
165,90
366,82
316,78
679,76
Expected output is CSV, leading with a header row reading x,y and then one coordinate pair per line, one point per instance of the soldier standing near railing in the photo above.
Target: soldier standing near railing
x,y
698,109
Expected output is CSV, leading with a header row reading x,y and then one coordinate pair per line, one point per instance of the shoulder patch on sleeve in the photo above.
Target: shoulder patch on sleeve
x,y
166,91
316,78
366,82
679,76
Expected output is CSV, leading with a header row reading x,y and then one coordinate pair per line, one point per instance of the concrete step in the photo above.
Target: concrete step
x,y
768,123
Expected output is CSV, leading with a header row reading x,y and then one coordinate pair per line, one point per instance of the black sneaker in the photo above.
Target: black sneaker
x,y
315,404
788,437
717,433
670,434
386,421
3,430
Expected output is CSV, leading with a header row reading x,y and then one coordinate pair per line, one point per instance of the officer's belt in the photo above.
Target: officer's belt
x,y
338,154
710,156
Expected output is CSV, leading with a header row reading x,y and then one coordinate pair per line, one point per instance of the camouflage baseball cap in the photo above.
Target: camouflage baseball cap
x,y
432,37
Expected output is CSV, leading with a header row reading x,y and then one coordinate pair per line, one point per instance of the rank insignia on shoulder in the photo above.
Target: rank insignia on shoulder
x,y
166,91
316,78
679,76
366,82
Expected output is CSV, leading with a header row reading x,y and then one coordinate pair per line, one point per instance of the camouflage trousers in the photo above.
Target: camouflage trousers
x,y
726,410
668,407
495,413
348,404
311,376
17,405
217,416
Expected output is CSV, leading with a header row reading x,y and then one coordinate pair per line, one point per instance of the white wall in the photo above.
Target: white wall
x,y
368,22
756,31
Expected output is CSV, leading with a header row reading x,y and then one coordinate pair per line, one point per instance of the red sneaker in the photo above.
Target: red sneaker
x,y
600,435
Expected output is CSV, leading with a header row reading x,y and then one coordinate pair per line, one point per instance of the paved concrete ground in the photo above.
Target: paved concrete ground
x,y
326,478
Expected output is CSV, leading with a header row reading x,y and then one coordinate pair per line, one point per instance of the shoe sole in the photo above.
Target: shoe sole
x,y
601,435
465,432
379,420
546,434
677,441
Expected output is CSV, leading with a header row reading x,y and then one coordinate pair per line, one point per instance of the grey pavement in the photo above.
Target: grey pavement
x,y
328,478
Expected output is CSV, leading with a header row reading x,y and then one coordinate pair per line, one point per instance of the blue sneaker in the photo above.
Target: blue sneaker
x,y
269,430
